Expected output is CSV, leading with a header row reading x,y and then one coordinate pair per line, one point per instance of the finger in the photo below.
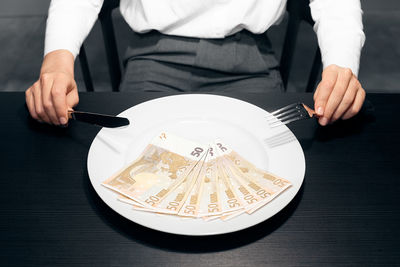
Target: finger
x,y
356,106
347,99
72,98
59,98
336,96
47,83
37,97
316,93
30,104
324,90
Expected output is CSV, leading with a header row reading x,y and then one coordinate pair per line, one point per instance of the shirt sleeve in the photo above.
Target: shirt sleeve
x,y
339,28
69,22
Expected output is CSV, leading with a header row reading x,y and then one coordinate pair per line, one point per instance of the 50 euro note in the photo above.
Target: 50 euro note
x,y
210,200
234,204
239,186
205,197
129,201
246,195
173,202
264,184
163,165
190,206
230,203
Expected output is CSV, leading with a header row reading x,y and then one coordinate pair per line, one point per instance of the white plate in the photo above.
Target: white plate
x,y
202,118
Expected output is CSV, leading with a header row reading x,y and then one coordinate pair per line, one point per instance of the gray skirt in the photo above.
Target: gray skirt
x,y
244,62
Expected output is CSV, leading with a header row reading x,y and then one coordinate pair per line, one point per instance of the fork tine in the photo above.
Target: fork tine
x,y
286,121
285,117
285,108
279,139
284,112
289,120
289,114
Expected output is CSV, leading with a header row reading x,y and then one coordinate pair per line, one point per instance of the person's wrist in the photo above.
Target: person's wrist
x,y
58,61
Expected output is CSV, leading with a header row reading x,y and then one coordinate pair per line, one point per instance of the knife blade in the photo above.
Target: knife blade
x,y
98,119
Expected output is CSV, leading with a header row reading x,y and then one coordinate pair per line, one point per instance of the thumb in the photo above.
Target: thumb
x,y
72,98
323,91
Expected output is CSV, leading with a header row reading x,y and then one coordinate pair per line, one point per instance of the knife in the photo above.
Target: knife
x,y
98,119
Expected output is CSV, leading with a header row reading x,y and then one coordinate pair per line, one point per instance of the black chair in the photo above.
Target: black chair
x,y
298,11
107,28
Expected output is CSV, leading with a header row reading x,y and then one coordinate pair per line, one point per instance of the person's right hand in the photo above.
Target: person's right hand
x,y
50,97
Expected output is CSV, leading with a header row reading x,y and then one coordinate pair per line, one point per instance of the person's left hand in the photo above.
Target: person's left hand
x,y
339,95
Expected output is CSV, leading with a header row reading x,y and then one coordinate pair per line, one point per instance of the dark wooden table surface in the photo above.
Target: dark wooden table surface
x,y
347,212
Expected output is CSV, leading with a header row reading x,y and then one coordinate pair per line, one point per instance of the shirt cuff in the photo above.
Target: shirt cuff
x,y
53,43
344,52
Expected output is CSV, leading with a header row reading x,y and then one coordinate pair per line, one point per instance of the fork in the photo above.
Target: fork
x,y
291,113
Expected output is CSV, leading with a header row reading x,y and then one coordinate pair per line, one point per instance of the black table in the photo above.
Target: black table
x,y
347,211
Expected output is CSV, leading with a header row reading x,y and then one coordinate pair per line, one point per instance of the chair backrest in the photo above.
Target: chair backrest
x,y
299,11
110,43
107,28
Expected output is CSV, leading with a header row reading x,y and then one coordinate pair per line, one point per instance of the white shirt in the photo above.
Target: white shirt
x,y
338,23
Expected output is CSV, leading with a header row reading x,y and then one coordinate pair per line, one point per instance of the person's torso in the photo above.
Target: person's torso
x,y
202,18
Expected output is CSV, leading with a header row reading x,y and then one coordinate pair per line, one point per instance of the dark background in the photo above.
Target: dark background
x,y
22,26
